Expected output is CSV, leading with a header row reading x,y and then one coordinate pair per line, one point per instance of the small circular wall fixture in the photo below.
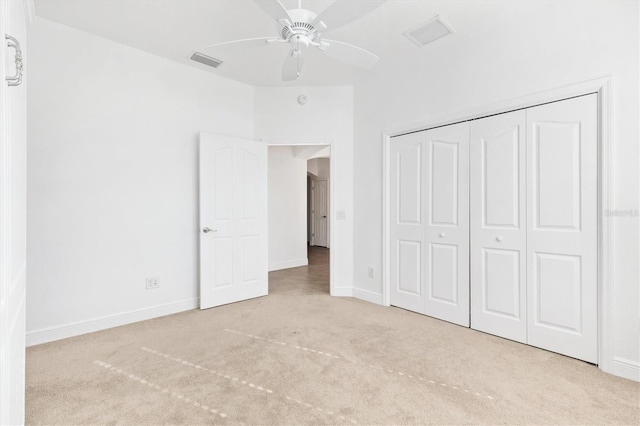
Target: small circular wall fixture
x,y
302,99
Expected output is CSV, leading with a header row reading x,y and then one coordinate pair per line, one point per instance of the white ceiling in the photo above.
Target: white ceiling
x,y
175,28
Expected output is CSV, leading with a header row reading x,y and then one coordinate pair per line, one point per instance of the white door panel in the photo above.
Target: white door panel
x,y
429,223
447,231
498,231
407,229
320,213
233,220
562,227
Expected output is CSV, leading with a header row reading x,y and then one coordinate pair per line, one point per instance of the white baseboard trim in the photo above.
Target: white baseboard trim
x,y
626,368
288,264
64,331
342,291
367,295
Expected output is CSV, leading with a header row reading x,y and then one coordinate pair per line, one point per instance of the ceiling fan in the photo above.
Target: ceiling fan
x,y
302,29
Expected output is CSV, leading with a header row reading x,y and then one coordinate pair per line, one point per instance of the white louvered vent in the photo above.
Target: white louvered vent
x,y
207,60
431,31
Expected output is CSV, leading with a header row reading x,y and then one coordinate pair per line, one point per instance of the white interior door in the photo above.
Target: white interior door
x,y
498,225
407,227
320,210
447,225
233,220
13,215
562,227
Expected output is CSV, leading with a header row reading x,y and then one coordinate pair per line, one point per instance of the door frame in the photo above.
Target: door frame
x,y
317,140
601,86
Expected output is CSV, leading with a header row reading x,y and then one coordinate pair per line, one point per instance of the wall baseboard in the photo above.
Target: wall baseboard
x,y
368,296
64,331
288,264
342,291
626,368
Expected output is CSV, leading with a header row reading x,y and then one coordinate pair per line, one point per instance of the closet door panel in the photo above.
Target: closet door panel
x,y
498,231
407,196
562,227
447,228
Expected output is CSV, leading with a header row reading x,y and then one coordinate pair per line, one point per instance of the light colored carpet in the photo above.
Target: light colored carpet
x,y
300,356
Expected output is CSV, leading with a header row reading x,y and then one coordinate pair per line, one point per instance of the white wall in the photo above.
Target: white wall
x,y
112,179
327,116
320,168
544,45
287,209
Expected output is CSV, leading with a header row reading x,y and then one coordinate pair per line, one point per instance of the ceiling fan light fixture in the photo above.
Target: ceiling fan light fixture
x,y
429,32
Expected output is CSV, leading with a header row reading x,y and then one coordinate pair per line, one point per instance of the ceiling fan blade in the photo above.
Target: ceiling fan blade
x,y
275,9
292,66
349,54
343,12
247,42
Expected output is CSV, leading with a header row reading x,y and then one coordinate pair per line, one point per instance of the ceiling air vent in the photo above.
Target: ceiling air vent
x,y
431,31
207,60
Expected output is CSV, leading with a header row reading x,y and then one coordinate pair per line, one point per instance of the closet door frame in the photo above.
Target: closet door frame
x,y
601,86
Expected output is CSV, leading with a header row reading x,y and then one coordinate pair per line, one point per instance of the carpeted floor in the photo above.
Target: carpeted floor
x,y
299,356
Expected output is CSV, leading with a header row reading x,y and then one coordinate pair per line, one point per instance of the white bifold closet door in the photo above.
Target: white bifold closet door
x,y
534,226
562,204
498,225
429,229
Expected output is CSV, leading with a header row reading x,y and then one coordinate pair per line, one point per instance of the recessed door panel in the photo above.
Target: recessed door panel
x,y
556,175
250,185
222,185
250,250
501,179
444,183
501,283
409,184
409,277
562,227
223,261
498,234
557,292
443,282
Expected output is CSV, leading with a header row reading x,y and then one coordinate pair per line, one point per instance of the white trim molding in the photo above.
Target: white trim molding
x,y
319,140
601,86
64,331
294,263
367,295
626,368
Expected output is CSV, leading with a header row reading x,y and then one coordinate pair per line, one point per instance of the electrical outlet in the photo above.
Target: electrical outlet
x,y
152,282
371,272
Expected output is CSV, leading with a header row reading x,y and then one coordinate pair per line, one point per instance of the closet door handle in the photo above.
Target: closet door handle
x,y
15,80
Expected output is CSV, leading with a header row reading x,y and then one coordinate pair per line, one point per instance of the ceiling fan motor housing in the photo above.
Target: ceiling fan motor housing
x,y
301,32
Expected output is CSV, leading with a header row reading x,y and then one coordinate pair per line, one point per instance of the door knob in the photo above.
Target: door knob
x,y
499,239
206,230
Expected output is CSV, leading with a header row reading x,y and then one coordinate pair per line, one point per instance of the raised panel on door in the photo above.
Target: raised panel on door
x,y
407,252
447,228
562,227
498,231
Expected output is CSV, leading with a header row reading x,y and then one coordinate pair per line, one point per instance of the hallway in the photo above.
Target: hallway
x,y
310,279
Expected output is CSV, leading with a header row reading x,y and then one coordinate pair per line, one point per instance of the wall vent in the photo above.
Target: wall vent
x,y
431,31
207,60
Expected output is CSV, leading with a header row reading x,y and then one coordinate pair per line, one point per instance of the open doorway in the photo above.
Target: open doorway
x,y
299,219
